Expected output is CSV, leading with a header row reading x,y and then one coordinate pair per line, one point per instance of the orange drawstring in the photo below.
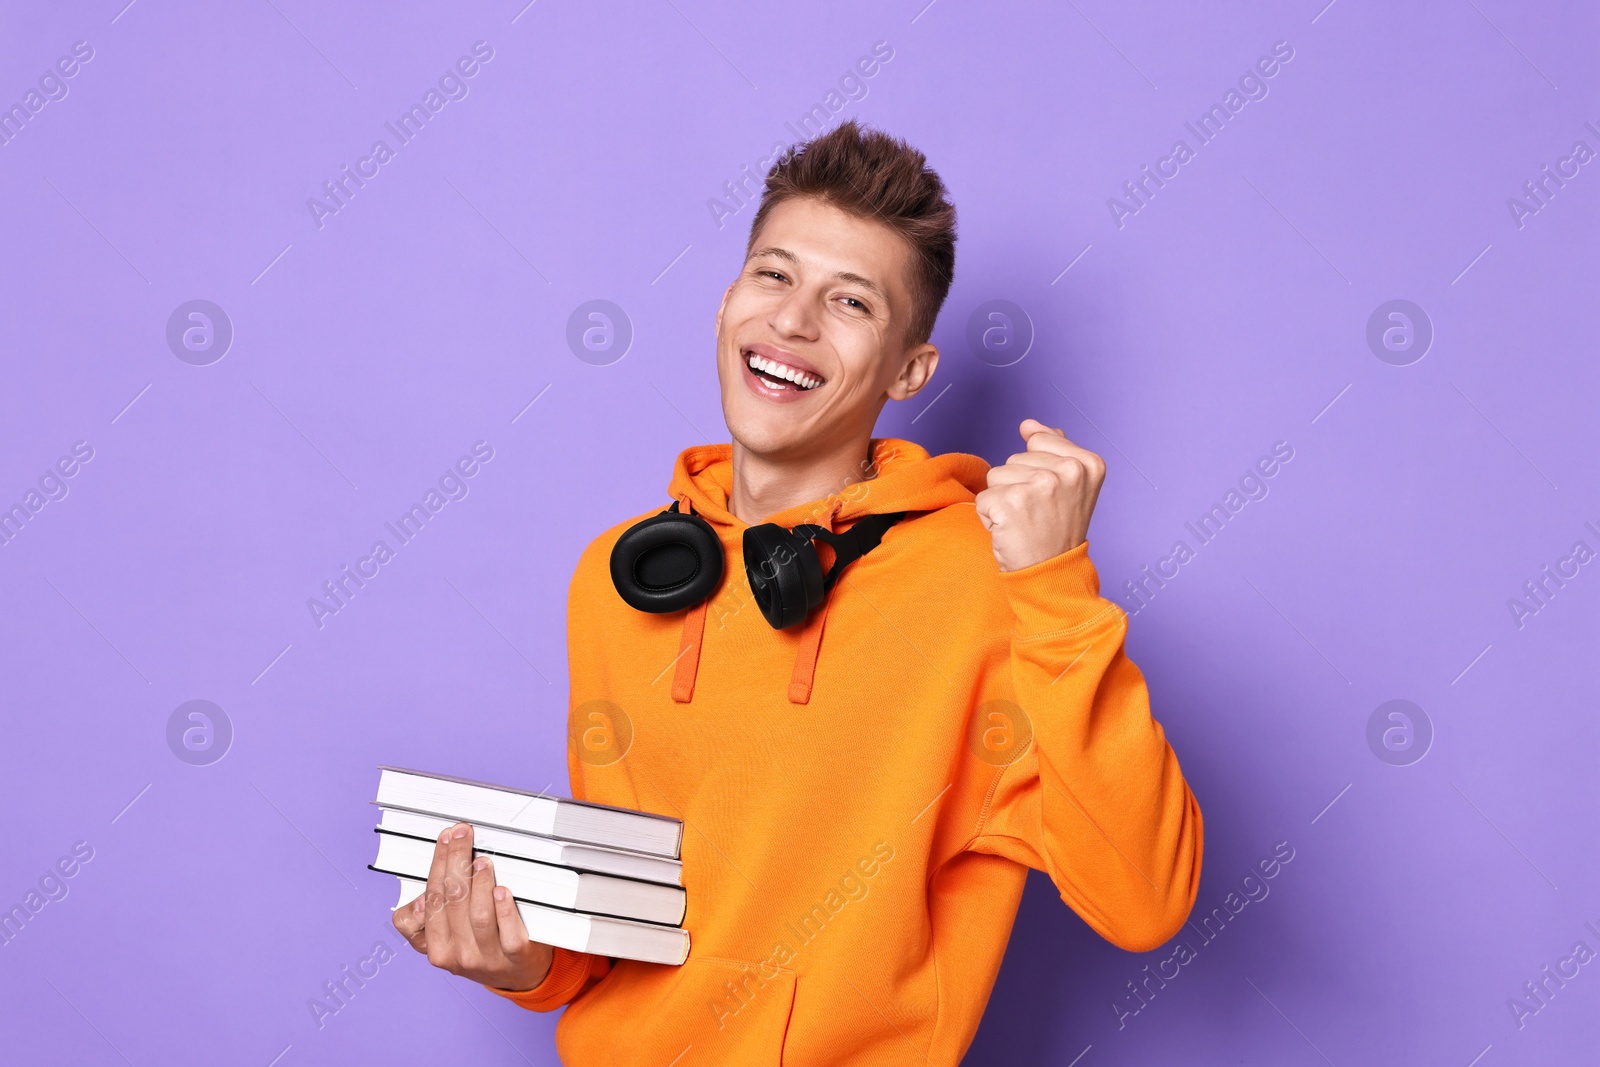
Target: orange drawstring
x,y
805,660
694,628
805,657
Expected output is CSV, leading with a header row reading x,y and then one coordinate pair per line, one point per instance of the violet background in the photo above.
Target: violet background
x,y
426,315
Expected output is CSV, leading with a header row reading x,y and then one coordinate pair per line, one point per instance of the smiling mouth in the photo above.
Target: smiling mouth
x,y
781,376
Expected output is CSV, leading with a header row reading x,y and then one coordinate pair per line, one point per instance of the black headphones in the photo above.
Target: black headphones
x,y
673,561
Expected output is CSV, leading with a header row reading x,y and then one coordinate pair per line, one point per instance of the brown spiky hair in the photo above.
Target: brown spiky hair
x,y
869,174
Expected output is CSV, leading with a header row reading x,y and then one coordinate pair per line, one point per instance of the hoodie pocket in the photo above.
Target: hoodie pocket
x,y
709,1011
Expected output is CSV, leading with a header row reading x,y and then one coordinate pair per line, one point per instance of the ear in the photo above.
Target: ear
x,y
915,373
725,294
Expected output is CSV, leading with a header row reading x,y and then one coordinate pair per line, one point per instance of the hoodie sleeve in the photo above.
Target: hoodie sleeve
x,y
571,973
1097,801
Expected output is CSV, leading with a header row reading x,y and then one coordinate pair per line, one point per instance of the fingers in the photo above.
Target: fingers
x,y
1038,503
1004,505
1020,467
411,920
1042,438
481,910
466,923
443,883
1042,475
1034,459
985,502
458,884
434,896
508,920
1047,440
1049,452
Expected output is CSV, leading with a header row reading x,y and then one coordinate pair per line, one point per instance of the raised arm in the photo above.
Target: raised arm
x,y
1097,800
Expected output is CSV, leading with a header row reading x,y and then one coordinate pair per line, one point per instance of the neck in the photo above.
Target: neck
x,y
764,485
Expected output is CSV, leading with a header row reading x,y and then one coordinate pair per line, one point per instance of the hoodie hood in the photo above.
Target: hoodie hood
x,y
908,479
901,477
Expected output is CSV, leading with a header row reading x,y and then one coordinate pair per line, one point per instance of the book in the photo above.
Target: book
x,y
623,863
539,813
540,883
596,934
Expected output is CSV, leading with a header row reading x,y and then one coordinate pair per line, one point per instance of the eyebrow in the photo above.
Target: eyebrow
x,y
843,275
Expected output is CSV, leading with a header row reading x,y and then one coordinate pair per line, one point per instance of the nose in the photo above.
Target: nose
x,y
796,314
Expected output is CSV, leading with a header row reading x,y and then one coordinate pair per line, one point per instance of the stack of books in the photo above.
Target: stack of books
x,y
585,877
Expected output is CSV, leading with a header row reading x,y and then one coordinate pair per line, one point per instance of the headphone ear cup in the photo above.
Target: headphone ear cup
x,y
667,563
785,574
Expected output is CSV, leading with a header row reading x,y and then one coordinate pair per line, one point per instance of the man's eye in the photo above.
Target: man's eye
x,y
770,274
853,302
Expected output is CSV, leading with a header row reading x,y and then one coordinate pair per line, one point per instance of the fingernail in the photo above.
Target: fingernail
x,y
459,832
500,892
480,863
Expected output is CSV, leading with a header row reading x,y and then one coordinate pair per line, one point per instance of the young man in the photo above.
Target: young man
x,y
864,793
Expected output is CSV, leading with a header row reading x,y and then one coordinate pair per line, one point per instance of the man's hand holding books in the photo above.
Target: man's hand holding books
x,y
493,879
467,924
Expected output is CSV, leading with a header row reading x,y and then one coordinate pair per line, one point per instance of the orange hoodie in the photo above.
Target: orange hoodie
x,y
862,796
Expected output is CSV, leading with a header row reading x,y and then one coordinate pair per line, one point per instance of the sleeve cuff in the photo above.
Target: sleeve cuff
x,y
1057,595
568,972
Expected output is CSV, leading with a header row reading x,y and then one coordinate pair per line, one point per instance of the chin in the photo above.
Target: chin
x,y
765,430
765,434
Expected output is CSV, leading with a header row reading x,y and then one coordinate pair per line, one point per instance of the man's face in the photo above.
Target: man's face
x,y
811,337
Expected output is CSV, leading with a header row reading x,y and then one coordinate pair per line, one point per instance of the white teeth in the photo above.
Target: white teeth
x,y
787,373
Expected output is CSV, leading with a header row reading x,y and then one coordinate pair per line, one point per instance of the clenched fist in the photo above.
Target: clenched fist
x,y
1039,501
